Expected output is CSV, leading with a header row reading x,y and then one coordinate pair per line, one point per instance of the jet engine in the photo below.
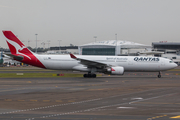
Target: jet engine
x,y
115,71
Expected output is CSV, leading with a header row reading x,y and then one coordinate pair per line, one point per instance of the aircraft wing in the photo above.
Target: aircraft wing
x,y
89,63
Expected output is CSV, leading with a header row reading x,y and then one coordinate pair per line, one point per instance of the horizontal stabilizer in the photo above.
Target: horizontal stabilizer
x,y
15,57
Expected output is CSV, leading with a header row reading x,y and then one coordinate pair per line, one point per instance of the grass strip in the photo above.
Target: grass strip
x,y
34,75
26,70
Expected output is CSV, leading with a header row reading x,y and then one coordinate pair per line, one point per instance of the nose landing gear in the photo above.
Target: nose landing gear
x,y
159,75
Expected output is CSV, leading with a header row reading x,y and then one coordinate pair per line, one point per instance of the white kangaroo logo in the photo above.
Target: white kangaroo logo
x,y
18,47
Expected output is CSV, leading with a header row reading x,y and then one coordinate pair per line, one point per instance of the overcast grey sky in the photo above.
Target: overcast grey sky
x,y
78,21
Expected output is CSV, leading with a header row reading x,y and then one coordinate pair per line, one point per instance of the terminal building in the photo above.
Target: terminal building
x,y
170,50
166,46
63,50
112,48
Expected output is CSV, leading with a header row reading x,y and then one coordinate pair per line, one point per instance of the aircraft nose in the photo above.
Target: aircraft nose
x,y
174,65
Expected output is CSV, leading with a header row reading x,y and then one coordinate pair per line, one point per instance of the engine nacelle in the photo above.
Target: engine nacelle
x,y
116,70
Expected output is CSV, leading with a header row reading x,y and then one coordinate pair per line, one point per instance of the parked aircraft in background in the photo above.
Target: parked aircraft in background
x,y
7,60
1,58
115,65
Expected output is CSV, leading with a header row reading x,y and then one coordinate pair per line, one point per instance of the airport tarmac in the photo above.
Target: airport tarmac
x,y
133,96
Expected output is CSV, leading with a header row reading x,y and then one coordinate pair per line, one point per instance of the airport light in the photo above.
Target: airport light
x,y
48,43
36,42
116,44
28,43
59,45
95,38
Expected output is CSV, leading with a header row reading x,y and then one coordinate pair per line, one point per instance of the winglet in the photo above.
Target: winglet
x,y
72,56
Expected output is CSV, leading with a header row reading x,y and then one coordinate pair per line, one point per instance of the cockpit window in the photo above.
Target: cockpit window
x,y
171,62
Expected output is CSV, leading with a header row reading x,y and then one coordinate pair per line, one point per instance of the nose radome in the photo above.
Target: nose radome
x,y
175,65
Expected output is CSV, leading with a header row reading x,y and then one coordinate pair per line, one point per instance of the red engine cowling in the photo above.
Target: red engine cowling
x,y
116,70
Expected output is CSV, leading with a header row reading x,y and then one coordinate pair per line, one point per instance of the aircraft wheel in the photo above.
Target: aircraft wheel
x,y
89,75
94,75
85,75
159,76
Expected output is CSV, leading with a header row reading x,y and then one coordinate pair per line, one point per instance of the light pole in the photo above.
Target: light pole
x,y
116,44
36,42
48,43
28,43
95,38
59,45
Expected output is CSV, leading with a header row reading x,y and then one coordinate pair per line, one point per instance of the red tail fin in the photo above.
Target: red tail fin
x,y
9,35
17,48
15,45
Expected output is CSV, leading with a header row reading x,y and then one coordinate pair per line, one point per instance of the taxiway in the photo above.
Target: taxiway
x,y
134,96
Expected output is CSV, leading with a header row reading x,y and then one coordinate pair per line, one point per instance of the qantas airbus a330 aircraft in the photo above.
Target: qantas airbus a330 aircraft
x,y
115,65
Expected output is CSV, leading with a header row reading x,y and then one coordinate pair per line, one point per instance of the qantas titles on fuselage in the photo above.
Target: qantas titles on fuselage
x,y
146,59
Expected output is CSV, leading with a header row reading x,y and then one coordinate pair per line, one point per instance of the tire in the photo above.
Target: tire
x,y
159,76
94,75
85,75
89,75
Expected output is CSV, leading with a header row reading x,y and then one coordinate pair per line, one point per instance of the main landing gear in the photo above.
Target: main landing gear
x,y
89,75
159,75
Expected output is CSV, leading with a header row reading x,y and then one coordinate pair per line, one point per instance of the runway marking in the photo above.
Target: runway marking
x,y
139,98
29,88
58,105
22,89
151,98
9,100
79,111
45,107
156,117
175,116
101,107
11,90
126,107
156,103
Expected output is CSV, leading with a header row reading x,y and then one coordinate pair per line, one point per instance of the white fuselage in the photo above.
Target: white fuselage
x,y
130,63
